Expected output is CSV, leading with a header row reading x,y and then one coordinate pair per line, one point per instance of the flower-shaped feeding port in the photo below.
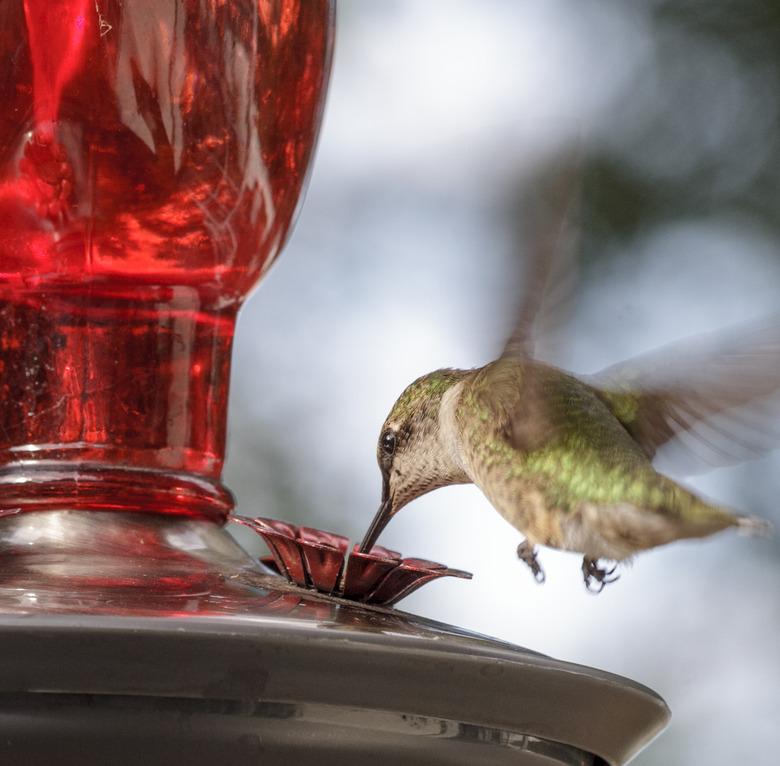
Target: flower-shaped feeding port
x,y
320,561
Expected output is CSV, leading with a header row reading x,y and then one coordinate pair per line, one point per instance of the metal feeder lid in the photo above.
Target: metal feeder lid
x,y
191,653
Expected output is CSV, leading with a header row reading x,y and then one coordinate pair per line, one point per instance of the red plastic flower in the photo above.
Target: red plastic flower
x,y
318,560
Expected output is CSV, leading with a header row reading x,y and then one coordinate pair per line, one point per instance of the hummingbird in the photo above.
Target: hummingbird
x,y
568,459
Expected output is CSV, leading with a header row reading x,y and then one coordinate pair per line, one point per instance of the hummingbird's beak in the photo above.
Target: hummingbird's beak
x,y
383,515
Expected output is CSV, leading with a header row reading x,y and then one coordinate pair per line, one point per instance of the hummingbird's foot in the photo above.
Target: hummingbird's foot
x,y
527,554
596,577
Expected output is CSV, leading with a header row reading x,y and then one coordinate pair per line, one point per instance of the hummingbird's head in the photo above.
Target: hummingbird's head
x,y
412,455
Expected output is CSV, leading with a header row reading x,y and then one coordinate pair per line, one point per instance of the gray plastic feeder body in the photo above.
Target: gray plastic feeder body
x,y
131,639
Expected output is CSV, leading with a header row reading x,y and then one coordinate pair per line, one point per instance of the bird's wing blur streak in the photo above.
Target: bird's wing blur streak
x,y
708,397
551,271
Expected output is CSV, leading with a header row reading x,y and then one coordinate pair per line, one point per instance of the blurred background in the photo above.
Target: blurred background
x,y
442,116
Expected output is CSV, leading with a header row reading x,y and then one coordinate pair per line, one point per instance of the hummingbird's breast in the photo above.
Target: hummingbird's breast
x,y
526,507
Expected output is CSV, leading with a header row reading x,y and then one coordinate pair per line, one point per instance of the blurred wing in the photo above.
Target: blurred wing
x,y
511,400
551,273
709,396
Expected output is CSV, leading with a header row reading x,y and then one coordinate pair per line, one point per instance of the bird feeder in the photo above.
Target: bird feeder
x,y
152,156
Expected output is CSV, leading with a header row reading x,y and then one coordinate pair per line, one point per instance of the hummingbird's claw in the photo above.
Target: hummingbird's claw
x,y
527,554
596,578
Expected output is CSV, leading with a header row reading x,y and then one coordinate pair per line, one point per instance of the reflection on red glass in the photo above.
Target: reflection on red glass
x,y
56,32
151,160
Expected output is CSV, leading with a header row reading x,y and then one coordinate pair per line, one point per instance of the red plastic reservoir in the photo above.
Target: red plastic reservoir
x,y
152,155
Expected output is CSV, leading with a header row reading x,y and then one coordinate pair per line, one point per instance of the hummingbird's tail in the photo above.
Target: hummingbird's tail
x,y
698,517
755,526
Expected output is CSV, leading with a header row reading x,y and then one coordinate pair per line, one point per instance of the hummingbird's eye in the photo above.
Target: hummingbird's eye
x,y
387,442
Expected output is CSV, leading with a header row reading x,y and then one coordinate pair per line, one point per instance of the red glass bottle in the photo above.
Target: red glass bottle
x,y
152,155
